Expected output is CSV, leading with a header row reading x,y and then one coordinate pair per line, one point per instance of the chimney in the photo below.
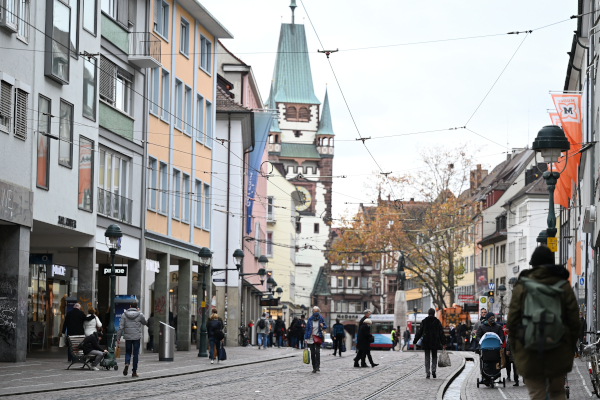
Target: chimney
x,y
389,197
412,200
477,176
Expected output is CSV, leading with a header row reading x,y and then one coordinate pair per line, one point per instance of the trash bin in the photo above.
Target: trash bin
x,y
166,342
253,335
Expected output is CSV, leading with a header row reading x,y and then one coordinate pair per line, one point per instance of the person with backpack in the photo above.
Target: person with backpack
x,y
214,330
300,331
543,326
279,331
271,330
433,340
338,334
262,330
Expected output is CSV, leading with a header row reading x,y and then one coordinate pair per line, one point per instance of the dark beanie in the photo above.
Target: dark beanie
x,y
542,256
489,315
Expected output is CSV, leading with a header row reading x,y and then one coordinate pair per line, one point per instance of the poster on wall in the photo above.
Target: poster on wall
x,y
481,279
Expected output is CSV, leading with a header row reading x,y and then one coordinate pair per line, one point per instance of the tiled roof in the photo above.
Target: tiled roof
x,y
325,125
537,187
292,77
227,104
296,150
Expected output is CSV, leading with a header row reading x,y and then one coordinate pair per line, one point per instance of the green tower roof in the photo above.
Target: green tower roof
x,y
273,106
325,125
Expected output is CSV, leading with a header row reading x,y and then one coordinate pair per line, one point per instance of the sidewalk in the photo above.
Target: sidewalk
x,y
44,371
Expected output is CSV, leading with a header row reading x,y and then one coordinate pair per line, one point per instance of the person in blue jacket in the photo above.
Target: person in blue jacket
x,y
314,327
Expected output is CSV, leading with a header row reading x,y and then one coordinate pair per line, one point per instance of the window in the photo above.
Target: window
x,y
115,85
205,54
198,203
164,186
89,88
348,281
9,14
503,280
377,290
165,84
206,206
316,228
178,104
485,258
176,187
503,253
511,218
269,244
5,105
200,119
472,264
117,10
86,165
123,93
333,282
340,282
154,90
21,107
466,264
113,179
58,34
356,281
152,175
270,209
377,265
344,306
522,248
89,16
186,197
291,114
187,109
209,123
523,213
491,257
65,131
161,18
23,33
298,227
43,147
304,114
364,282
184,37
511,253
497,254
74,34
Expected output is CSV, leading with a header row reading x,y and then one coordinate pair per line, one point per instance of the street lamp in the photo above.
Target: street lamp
x,y
550,143
279,291
501,289
238,258
112,238
205,256
263,261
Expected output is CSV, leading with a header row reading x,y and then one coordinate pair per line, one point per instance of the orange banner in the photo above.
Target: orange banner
x,y
560,191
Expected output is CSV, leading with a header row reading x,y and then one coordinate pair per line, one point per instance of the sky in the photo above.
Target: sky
x,y
402,87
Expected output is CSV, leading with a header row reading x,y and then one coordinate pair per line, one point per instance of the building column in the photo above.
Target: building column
x,y
14,281
161,295
184,303
135,272
85,277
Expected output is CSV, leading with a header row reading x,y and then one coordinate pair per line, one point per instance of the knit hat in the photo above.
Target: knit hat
x,y
542,256
367,321
489,315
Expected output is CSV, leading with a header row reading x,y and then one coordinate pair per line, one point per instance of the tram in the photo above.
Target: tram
x,y
382,325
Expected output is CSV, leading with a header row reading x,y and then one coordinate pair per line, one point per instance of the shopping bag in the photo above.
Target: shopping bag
x,y
502,359
343,347
222,354
61,342
118,352
305,357
444,359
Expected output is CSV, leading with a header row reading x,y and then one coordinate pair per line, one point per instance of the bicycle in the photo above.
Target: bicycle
x,y
592,354
243,340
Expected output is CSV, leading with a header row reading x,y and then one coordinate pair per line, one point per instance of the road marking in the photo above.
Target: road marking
x,y
502,393
35,377
582,380
20,366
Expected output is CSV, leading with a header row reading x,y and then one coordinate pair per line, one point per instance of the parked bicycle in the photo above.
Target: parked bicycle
x,y
243,337
591,353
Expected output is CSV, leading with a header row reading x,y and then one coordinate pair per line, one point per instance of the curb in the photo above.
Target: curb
x,y
448,381
122,382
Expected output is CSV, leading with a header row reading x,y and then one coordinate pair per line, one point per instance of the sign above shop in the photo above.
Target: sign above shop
x,y
59,270
16,204
269,302
40,258
466,297
219,280
119,271
68,222
346,316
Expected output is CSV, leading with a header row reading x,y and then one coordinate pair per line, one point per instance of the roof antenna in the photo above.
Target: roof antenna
x,y
293,7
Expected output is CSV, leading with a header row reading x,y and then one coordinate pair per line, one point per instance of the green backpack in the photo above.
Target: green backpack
x,y
542,315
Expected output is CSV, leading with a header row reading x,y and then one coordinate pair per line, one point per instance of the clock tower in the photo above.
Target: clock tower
x,y
302,140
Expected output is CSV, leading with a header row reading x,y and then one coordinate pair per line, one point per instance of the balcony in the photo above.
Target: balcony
x,y
144,49
114,206
325,150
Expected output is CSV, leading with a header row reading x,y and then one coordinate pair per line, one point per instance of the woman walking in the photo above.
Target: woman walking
x,y
363,344
313,336
213,328
433,338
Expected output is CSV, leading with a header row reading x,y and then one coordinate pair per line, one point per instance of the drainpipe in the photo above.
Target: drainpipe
x,y
227,218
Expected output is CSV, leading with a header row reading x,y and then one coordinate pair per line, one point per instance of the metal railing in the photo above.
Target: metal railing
x,y
144,44
114,206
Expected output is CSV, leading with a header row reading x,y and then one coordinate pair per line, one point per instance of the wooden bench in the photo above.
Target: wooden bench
x,y
77,356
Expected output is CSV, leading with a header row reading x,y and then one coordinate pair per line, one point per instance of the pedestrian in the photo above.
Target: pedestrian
x,y
73,325
214,330
543,369
582,329
93,325
461,333
490,325
292,333
453,336
406,340
363,344
509,360
315,327
130,328
271,330
301,330
338,335
482,314
262,330
433,340
150,345
90,347
394,338
366,314
279,331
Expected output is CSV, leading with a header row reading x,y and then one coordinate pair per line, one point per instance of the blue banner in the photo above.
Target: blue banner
x,y
262,125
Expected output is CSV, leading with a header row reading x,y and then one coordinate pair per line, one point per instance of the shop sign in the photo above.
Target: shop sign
x,y
218,279
466,297
119,271
59,270
68,222
16,204
347,316
515,269
40,258
269,302
152,266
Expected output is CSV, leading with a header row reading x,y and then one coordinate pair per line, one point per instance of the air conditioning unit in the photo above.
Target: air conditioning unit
x,y
589,218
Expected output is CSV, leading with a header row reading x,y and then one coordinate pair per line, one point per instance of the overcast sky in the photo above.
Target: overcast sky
x,y
414,88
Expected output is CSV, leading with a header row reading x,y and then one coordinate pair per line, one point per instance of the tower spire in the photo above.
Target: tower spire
x,y
293,7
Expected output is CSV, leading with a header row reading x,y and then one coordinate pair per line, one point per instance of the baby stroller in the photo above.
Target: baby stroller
x,y
109,361
489,360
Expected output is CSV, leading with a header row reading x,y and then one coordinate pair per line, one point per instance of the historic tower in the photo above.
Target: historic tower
x,y
301,143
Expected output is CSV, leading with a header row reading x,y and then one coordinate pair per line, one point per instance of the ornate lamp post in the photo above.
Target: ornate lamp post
x,y
112,238
550,143
205,262
501,289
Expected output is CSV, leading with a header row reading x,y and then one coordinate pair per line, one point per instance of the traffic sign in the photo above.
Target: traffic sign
x,y
491,300
552,244
581,281
492,286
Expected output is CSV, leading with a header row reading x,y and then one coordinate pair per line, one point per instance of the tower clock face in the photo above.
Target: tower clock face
x,y
304,195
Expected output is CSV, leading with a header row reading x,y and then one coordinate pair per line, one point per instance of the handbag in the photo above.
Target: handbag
x,y
222,354
444,359
502,358
420,342
305,357
118,352
317,340
343,347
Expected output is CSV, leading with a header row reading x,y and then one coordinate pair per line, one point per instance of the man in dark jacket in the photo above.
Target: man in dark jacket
x,y
461,333
367,314
300,329
73,325
279,331
490,325
556,362
363,344
433,340
90,347
292,334
338,334
406,340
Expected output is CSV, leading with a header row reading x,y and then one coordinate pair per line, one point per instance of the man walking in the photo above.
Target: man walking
x,y
461,333
433,340
367,314
262,329
271,330
300,331
338,335
73,325
543,326
130,328
406,340
394,338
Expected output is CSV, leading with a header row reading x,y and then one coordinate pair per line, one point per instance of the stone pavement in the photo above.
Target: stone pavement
x,y
281,374
579,383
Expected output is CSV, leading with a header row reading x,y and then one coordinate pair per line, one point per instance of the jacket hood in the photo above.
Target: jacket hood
x,y
132,313
547,273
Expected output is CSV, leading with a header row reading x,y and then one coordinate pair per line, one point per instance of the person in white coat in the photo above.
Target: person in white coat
x,y
92,325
